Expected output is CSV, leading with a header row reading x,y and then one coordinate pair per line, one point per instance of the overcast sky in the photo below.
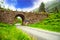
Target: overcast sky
x,y
23,5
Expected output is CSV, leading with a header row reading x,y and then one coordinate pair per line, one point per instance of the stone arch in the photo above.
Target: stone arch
x,y
22,17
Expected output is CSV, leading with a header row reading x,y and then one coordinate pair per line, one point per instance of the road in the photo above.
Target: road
x,y
40,34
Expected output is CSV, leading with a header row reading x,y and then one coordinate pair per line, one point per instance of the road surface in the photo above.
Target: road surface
x,y
40,34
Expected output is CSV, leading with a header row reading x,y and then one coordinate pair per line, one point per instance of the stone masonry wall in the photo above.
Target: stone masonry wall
x,y
9,17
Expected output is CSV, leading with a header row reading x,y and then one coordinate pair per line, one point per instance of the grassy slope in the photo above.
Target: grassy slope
x,y
9,32
52,23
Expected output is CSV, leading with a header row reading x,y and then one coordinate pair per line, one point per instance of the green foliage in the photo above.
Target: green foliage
x,y
36,10
1,2
54,7
10,32
18,20
3,8
51,23
42,7
8,9
55,10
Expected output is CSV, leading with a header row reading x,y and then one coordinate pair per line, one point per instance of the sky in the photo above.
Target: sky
x,y
23,5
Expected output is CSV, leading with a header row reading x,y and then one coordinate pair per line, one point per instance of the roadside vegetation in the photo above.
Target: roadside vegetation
x,y
52,23
19,20
10,32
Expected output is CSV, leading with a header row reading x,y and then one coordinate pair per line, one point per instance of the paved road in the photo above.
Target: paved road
x,y
40,34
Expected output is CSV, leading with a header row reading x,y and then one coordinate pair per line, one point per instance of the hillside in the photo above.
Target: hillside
x,y
52,23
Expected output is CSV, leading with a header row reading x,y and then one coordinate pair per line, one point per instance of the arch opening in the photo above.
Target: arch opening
x,y
19,19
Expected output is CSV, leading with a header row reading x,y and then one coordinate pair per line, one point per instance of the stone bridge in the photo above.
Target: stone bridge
x,y
10,17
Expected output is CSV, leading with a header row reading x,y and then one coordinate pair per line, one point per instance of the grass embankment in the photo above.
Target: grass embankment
x,y
9,32
52,23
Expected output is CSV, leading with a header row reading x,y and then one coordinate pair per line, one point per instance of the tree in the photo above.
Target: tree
x,y
1,2
36,10
56,10
42,7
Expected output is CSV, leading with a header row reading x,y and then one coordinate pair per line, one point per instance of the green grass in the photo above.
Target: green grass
x,y
10,32
52,23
